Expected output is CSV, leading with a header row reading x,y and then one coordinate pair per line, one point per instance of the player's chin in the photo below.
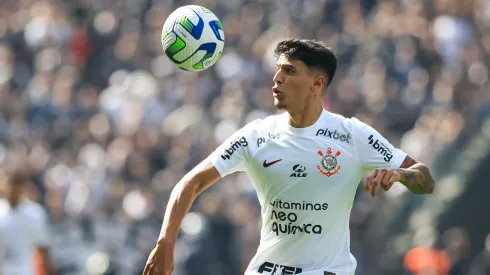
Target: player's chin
x,y
279,104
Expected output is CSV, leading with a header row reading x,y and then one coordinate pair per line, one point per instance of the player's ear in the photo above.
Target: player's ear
x,y
319,82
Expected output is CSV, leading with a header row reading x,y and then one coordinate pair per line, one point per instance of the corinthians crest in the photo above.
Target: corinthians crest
x,y
329,165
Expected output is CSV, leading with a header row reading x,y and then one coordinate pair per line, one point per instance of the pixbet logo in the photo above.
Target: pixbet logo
x,y
275,269
381,148
333,135
234,145
261,140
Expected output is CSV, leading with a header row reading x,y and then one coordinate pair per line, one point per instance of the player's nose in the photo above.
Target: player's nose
x,y
278,77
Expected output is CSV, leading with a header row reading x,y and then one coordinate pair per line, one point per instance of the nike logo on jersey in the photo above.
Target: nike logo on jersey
x,y
270,163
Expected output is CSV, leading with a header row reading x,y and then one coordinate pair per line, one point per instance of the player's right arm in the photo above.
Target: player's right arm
x,y
161,259
231,156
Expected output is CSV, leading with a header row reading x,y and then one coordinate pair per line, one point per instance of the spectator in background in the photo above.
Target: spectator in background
x,y
24,229
425,258
481,263
456,244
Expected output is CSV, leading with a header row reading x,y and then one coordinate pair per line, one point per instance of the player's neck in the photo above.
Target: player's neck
x,y
306,117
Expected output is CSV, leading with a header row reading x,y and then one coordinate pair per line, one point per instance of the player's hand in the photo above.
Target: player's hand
x,y
160,261
383,178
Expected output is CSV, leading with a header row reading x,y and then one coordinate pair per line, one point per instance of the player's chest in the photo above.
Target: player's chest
x,y
295,160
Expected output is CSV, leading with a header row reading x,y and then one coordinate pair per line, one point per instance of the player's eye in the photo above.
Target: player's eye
x,y
286,69
290,70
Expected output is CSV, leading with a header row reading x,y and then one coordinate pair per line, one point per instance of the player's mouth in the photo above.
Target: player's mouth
x,y
276,92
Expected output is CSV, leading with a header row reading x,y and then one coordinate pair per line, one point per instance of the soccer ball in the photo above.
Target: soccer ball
x,y
193,38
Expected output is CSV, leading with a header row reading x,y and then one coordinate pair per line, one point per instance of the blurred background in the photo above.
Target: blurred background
x,y
109,126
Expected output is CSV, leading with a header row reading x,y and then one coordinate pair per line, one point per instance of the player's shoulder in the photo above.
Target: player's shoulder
x,y
272,122
338,118
261,125
333,117
333,121
340,128
351,123
257,130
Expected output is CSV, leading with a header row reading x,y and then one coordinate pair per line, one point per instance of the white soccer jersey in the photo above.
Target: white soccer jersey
x,y
22,230
305,179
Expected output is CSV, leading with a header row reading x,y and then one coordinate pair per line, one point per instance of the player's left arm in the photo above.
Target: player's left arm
x,y
386,163
414,175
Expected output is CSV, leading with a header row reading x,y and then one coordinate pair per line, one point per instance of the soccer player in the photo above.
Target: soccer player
x,y
305,164
23,230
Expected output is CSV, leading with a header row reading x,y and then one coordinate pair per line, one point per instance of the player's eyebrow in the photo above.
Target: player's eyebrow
x,y
286,66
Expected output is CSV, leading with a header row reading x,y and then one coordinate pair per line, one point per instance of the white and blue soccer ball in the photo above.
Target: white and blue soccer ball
x,y
193,38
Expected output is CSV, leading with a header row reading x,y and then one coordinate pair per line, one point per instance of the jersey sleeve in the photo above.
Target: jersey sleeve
x,y
232,155
373,150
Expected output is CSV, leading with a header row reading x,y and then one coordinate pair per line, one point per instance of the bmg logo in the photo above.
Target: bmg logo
x,y
275,269
381,148
234,145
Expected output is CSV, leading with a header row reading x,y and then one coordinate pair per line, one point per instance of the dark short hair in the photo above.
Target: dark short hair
x,y
315,54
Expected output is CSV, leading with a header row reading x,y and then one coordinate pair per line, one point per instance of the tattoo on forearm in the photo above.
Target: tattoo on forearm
x,y
408,162
417,179
416,176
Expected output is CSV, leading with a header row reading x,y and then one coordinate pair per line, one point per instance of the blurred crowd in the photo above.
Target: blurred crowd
x,y
109,126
